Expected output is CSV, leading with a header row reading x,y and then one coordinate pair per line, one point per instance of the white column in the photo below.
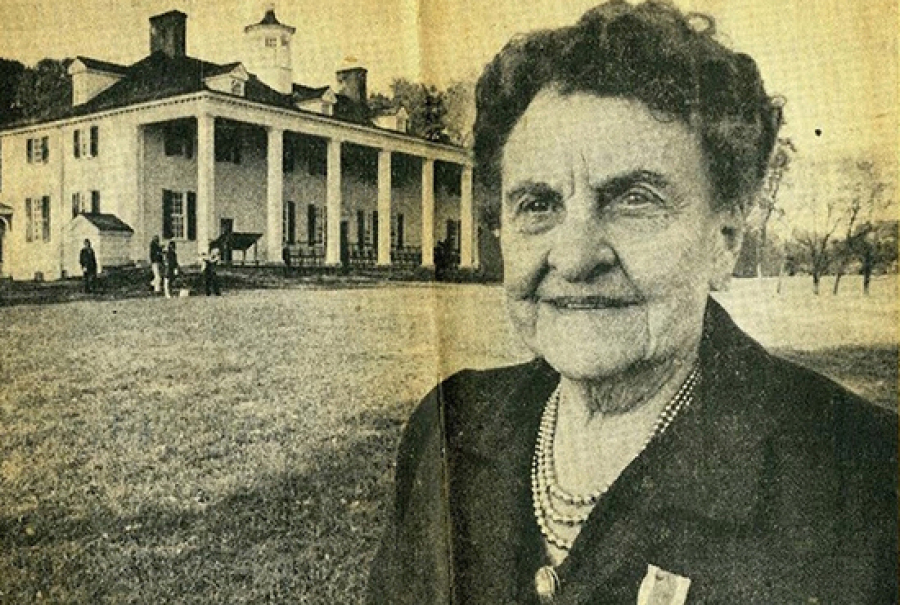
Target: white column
x,y
384,208
274,194
427,212
466,219
206,181
333,204
142,241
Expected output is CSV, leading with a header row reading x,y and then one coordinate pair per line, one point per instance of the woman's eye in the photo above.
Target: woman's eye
x,y
536,204
639,198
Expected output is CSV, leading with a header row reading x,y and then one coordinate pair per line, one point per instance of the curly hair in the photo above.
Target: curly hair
x,y
651,53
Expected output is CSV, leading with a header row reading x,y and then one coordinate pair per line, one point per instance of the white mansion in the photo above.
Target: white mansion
x,y
236,155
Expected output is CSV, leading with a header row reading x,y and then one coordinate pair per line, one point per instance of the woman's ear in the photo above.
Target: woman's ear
x,y
728,239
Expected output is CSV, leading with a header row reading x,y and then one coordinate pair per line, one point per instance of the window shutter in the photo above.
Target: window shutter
x,y
95,141
311,224
375,230
292,222
95,202
29,219
45,217
76,143
45,149
75,205
167,214
191,215
400,229
29,150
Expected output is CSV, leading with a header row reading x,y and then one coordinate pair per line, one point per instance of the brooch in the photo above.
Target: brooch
x,y
661,587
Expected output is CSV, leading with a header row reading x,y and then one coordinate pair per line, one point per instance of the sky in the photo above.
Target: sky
x,y
834,61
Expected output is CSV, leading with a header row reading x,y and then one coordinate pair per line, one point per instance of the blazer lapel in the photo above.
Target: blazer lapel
x,y
498,545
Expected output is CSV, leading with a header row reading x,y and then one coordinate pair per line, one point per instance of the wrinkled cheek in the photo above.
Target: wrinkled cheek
x,y
523,316
675,316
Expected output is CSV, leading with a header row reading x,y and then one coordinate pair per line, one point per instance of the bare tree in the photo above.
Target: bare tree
x,y
862,202
767,201
814,242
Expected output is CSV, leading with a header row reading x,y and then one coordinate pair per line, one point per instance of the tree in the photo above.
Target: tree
x,y
459,101
815,251
10,76
436,115
861,204
45,89
767,201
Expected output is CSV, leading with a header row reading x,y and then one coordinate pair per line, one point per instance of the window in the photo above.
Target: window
x,y
77,207
272,42
37,219
237,88
453,234
178,139
360,229
82,204
289,223
228,144
179,215
316,224
287,157
86,143
284,40
37,150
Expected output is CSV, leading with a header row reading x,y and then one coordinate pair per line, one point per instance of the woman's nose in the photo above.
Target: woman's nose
x,y
581,249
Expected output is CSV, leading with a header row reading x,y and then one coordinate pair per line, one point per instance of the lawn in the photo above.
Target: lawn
x,y
240,449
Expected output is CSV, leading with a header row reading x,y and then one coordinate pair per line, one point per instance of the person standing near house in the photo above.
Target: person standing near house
x,y
171,269
156,261
208,267
88,261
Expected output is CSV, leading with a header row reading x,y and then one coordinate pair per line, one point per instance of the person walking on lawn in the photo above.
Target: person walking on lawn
x,y
156,262
88,261
171,270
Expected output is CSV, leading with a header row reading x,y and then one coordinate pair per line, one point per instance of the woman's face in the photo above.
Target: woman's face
x,y
610,241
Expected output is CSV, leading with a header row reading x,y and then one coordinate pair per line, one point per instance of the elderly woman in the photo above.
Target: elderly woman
x,y
651,452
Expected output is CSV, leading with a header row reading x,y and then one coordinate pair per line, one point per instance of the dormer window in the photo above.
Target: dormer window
x,y
237,88
284,40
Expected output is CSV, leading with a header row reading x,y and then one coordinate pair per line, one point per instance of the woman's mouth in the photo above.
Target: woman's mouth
x,y
587,303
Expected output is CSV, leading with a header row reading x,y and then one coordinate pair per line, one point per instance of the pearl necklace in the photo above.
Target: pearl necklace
x,y
549,497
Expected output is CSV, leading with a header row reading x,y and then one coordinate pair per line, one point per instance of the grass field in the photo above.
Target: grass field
x,y
240,449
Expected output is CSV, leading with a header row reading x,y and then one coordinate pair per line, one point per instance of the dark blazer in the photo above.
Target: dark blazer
x,y
775,486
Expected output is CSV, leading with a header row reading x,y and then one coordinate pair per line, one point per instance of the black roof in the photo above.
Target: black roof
x,y
106,66
270,19
160,76
108,223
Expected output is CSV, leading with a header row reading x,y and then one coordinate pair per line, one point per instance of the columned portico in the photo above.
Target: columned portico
x,y
206,183
467,219
428,213
274,193
333,203
384,208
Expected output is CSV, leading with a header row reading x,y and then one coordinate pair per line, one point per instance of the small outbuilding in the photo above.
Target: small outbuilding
x,y
110,237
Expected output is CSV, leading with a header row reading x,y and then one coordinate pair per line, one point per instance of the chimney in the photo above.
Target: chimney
x,y
168,33
352,83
